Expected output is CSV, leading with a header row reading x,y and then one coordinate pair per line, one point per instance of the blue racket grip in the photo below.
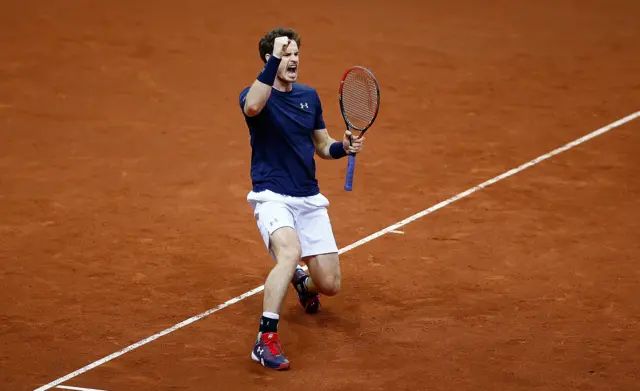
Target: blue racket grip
x,y
351,166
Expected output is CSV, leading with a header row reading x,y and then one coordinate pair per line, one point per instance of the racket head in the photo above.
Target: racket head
x,y
359,98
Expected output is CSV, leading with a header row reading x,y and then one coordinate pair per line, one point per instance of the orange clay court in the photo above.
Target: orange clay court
x,y
124,167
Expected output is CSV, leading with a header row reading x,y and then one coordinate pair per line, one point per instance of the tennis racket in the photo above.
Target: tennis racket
x,y
359,103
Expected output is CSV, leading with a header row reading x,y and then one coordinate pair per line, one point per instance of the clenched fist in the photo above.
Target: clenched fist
x,y
280,46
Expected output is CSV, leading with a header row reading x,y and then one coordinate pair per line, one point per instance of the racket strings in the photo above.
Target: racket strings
x,y
359,98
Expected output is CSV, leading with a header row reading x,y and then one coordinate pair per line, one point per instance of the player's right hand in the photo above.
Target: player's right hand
x,y
280,46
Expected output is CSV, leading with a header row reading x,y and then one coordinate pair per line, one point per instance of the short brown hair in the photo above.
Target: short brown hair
x,y
266,43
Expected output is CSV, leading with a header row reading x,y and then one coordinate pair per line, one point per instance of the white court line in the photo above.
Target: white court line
x,y
395,231
343,250
78,388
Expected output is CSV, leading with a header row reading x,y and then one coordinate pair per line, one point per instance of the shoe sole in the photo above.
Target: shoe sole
x,y
282,367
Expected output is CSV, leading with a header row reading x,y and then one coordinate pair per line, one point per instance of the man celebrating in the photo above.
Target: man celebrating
x,y
287,129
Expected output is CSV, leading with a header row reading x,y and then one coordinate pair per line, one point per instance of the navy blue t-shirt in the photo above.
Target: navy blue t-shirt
x,y
282,156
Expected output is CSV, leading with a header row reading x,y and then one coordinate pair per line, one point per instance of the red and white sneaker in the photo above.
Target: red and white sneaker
x,y
268,352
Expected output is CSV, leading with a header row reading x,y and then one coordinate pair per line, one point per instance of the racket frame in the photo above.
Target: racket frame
x,y
348,185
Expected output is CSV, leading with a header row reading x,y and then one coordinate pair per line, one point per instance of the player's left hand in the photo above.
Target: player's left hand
x,y
356,143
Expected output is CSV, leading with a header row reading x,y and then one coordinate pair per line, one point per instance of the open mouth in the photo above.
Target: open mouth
x,y
292,70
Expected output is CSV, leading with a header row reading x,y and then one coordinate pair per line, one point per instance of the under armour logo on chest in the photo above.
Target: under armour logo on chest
x,y
304,105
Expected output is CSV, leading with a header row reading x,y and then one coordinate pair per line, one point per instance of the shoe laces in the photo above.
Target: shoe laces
x,y
273,343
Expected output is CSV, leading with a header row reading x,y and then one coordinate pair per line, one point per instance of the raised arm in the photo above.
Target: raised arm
x,y
261,88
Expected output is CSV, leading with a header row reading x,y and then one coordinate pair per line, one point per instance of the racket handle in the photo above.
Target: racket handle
x,y
351,166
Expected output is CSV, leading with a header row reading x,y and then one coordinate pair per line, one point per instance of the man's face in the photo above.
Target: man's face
x,y
288,70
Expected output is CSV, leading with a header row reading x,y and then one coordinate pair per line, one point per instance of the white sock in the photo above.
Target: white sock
x,y
271,315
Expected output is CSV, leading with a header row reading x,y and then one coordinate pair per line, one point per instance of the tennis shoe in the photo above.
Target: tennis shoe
x,y
268,352
309,301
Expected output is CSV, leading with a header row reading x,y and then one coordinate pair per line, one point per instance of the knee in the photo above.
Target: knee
x,y
330,285
286,247
289,255
334,287
290,251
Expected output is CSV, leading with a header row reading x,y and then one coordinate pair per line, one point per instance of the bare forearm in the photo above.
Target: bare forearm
x,y
260,90
257,98
325,151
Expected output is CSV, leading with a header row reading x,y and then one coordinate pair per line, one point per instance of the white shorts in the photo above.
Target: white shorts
x,y
307,215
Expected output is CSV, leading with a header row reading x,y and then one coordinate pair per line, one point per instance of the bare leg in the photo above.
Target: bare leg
x,y
286,247
324,271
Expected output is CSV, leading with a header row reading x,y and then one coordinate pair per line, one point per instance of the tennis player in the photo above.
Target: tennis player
x,y
287,129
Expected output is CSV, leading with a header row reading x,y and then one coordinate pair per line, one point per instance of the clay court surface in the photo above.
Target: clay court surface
x,y
124,167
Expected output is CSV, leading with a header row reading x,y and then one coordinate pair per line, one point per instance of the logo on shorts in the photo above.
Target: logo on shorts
x,y
304,105
273,221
